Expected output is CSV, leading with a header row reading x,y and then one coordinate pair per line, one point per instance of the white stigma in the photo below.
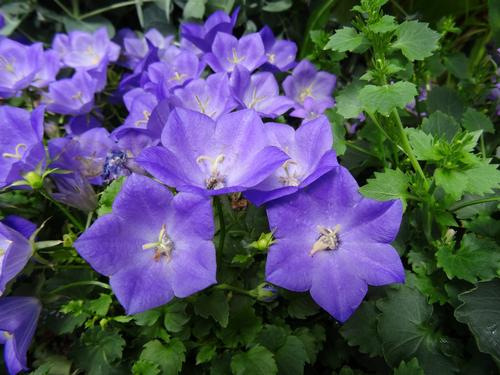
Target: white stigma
x,y
216,180
328,239
163,247
291,178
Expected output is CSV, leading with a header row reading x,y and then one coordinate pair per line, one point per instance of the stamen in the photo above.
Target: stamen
x,y
17,154
328,239
78,96
216,180
255,99
7,65
306,92
271,57
290,179
163,247
145,120
235,58
178,77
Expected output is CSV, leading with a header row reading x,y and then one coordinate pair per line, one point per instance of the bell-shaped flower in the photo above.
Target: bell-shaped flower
x,y
74,190
309,88
153,246
229,52
206,157
202,36
211,96
311,156
72,96
333,242
82,50
18,66
21,146
50,65
280,54
140,105
260,92
18,320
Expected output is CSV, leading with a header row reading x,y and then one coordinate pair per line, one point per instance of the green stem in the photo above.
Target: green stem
x,y
360,149
483,146
312,24
64,9
89,220
63,209
80,283
110,7
233,289
222,223
408,150
76,8
476,201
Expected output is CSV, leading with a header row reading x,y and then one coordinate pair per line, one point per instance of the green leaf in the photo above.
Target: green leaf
x,y
213,305
405,332
108,196
475,259
291,357
90,24
482,178
13,13
169,357
101,305
361,330
301,306
457,64
348,103
194,9
175,316
481,312
347,39
441,125
147,318
385,24
416,40
494,19
338,130
98,351
391,184
445,100
453,182
422,144
275,6
272,337
257,361
312,339
205,354
140,15
384,99
409,368
474,120
143,367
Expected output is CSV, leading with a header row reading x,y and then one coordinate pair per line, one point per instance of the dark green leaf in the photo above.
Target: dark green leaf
x,y
441,125
257,361
409,368
213,305
169,357
445,100
291,357
473,120
175,316
205,354
416,40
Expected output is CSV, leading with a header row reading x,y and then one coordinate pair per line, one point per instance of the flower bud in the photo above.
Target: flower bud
x,y
262,244
34,180
265,292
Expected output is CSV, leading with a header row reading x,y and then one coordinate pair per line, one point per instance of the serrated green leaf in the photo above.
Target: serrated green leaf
x,y
213,305
446,100
474,120
291,357
338,130
453,182
361,330
416,40
194,9
384,99
385,24
108,196
301,306
147,318
143,367
272,337
257,361
441,125
391,184
101,305
205,354
348,103
175,316
312,339
405,332
475,259
482,178
409,368
347,39
169,357
481,312
422,144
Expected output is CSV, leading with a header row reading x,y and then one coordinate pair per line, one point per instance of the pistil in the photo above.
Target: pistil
x,y
327,240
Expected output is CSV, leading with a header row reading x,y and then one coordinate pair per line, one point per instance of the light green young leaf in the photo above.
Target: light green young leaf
x,y
194,9
348,103
422,144
386,98
205,354
383,25
257,361
416,40
391,184
347,39
453,182
482,178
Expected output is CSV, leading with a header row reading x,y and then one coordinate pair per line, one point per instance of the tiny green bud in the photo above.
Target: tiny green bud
x,y
68,239
34,180
265,240
265,292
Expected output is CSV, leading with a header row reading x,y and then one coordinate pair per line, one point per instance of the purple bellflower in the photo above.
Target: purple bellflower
x,y
2,20
311,90
333,242
18,66
140,105
260,92
82,50
74,190
168,253
280,54
20,224
72,96
80,124
202,36
311,156
15,252
212,96
135,48
18,320
229,52
206,157
50,65
21,147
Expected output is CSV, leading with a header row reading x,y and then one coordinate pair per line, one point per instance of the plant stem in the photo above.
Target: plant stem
x,y
63,209
64,9
76,8
80,283
222,223
408,151
476,201
360,149
233,289
110,7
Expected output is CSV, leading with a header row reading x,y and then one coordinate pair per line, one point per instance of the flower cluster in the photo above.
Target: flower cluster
x,y
206,116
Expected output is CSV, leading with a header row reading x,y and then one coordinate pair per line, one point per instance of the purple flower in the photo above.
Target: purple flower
x,y
333,242
260,92
15,252
20,224
49,67
211,97
309,89
18,322
135,48
311,156
80,124
140,105
82,50
229,52
2,20
154,246
18,66
21,147
72,96
280,54
202,36
208,157
74,190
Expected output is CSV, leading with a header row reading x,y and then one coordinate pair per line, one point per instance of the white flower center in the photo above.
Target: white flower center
x,y
216,180
163,248
328,239
291,177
